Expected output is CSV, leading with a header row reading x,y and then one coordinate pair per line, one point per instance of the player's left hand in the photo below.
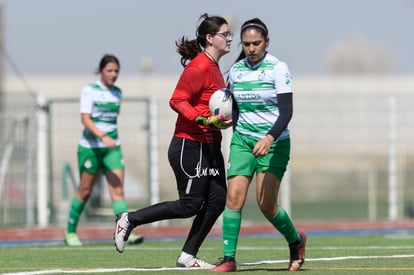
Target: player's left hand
x,y
109,142
214,122
223,121
262,147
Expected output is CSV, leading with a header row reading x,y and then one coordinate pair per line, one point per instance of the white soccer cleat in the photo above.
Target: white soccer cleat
x,y
72,239
122,231
194,263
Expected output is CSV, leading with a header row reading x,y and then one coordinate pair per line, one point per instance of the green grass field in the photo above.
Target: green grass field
x,y
339,254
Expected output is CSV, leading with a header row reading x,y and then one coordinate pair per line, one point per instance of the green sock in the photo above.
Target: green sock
x,y
231,229
282,222
76,209
119,206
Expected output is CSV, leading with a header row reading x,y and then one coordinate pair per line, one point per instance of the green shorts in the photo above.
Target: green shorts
x,y
90,160
243,162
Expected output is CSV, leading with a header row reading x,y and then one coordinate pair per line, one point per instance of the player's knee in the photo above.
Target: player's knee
x,y
191,207
217,206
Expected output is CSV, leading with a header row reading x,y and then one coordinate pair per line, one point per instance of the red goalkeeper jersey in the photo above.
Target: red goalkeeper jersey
x,y
199,80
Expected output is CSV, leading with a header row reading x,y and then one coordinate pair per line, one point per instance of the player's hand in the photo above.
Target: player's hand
x,y
109,142
214,122
262,146
221,121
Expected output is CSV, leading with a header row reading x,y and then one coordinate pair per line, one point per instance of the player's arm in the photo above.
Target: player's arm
x,y
87,121
283,83
188,89
285,103
189,84
90,125
234,114
285,114
86,107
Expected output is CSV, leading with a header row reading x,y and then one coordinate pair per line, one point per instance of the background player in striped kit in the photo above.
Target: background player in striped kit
x,y
262,88
99,147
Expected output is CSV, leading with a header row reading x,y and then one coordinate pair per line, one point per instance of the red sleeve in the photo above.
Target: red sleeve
x,y
190,98
189,87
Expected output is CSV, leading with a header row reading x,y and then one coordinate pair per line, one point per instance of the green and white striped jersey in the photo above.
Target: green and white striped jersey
x,y
103,104
255,90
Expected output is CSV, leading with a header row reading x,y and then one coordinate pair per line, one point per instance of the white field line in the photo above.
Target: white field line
x,y
113,270
329,259
248,248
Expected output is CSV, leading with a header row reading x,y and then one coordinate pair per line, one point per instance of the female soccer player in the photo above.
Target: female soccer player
x,y
262,88
99,146
194,153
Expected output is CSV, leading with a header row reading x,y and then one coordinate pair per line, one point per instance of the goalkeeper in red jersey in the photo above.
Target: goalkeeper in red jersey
x,y
195,150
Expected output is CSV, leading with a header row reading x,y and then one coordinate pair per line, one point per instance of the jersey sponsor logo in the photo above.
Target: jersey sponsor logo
x,y
248,96
108,115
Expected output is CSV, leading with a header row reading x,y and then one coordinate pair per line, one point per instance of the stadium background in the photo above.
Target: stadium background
x,y
351,140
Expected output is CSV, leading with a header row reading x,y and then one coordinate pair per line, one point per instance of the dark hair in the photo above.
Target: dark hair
x,y
254,23
107,58
188,49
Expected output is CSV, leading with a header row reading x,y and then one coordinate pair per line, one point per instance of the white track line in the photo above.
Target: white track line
x,y
113,270
248,248
329,259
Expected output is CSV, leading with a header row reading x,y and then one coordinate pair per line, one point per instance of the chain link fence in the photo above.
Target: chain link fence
x,y
351,155
18,153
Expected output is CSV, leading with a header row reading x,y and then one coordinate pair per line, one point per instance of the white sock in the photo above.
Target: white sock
x,y
185,257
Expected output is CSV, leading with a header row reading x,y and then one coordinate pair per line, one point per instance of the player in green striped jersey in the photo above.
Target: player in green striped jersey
x,y
262,90
99,147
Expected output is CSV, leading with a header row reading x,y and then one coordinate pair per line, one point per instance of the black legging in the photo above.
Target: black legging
x,y
201,184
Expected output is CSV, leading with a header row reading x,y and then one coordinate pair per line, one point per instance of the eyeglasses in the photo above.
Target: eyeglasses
x,y
225,35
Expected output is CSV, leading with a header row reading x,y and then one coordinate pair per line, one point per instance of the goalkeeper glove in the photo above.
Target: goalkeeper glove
x,y
214,122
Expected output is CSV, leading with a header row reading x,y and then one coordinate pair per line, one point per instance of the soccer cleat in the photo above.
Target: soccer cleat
x,y
72,239
194,263
122,231
135,239
228,264
297,253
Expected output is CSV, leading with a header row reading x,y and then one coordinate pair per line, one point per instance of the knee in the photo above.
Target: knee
x,y
234,202
84,194
218,204
191,207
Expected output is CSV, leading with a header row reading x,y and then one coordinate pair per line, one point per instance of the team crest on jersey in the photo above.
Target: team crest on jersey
x,y
261,75
87,164
288,79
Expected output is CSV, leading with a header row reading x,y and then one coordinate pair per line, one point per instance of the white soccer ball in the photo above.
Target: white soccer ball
x,y
221,102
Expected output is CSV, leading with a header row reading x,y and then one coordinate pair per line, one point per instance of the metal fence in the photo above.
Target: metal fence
x,y
65,131
351,156
17,158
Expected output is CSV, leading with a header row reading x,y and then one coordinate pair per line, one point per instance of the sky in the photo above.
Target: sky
x,y
61,37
